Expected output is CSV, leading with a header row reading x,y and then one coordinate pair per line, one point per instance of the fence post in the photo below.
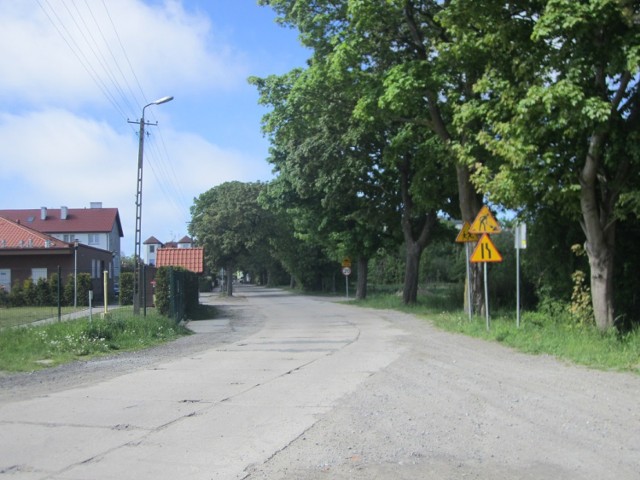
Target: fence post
x,y
59,289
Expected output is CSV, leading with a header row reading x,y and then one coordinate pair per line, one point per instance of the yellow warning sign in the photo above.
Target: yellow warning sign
x,y
485,222
346,262
465,236
485,251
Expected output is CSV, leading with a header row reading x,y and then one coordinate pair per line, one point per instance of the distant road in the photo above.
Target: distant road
x,y
294,387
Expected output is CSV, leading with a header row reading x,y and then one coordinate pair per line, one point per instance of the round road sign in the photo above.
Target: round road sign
x,y
346,271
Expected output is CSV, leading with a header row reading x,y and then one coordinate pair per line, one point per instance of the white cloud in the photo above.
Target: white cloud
x,y
63,143
61,159
71,53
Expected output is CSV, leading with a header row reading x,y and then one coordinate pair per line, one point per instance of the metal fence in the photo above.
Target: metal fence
x,y
31,295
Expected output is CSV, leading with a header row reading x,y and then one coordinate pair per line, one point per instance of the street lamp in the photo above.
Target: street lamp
x,y
137,258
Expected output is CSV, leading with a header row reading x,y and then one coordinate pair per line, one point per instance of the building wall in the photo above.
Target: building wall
x,y
21,265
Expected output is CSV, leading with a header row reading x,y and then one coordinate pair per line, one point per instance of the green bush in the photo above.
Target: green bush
x,y
162,299
106,329
126,288
4,297
189,292
53,289
29,292
82,286
16,295
41,293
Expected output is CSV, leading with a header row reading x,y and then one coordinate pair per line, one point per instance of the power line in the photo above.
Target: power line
x,y
106,71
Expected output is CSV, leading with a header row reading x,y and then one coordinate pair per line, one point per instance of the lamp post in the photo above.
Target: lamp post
x,y
75,273
137,258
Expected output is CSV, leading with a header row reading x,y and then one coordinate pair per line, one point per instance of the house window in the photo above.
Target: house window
x,y
94,239
69,238
5,279
38,273
152,248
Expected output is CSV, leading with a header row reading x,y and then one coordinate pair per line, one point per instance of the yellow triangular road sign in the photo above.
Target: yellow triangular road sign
x,y
485,251
485,222
465,236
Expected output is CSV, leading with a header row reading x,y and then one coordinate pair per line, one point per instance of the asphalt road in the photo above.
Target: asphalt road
x,y
295,387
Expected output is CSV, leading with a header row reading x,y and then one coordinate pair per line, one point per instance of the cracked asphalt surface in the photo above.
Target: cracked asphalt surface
x,y
293,387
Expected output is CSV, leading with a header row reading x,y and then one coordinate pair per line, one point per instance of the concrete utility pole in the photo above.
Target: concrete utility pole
x,y
137,257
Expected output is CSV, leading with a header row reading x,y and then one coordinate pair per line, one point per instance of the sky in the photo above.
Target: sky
x,y
75,73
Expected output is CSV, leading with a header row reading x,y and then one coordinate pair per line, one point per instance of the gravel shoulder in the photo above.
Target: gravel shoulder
x,y
20,386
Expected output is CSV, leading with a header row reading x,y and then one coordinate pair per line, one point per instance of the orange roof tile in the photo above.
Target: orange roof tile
x,y
15,235
188,258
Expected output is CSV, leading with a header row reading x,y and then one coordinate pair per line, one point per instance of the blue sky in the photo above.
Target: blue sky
x,y
75,72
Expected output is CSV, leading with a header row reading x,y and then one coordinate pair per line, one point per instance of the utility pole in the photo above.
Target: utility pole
x,y
137,258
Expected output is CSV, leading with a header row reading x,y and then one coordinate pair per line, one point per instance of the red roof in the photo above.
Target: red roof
x,y
189,258
79,220
13,235
152,241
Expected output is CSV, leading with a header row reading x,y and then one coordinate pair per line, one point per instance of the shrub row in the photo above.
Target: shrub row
x,y
45,292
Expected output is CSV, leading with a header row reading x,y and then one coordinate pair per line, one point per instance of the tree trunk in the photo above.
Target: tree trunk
x,y
602,289
470,200
411,273
363,272
229,282
470,204
598,224
423,225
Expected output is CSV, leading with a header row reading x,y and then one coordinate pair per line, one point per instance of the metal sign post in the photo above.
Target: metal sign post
x,y
346,271
520,242
485,250
466,237
469,300
486,296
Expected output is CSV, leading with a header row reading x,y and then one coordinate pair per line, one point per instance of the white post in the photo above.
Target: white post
x,y
517,283
486,296
469,305
75,273
346,282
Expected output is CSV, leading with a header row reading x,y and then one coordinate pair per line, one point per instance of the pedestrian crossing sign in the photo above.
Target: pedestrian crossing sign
x,y
485,222
465,236
485,251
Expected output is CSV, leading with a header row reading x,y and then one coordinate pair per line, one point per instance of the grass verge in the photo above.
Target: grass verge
x,y
10,317
33,348
538,333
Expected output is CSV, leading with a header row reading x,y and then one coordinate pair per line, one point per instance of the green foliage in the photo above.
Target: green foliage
x,y
162,291
29,292
126,288
4,297
539,101
16,295
185,294
53,289
33,348
41,294
230,223
80,288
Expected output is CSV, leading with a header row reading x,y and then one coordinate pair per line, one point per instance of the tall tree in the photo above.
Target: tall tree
x,y
326,164
560,101
401,42
230,223
358,44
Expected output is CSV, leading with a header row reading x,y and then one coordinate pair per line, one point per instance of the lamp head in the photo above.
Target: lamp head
x,y
162,100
